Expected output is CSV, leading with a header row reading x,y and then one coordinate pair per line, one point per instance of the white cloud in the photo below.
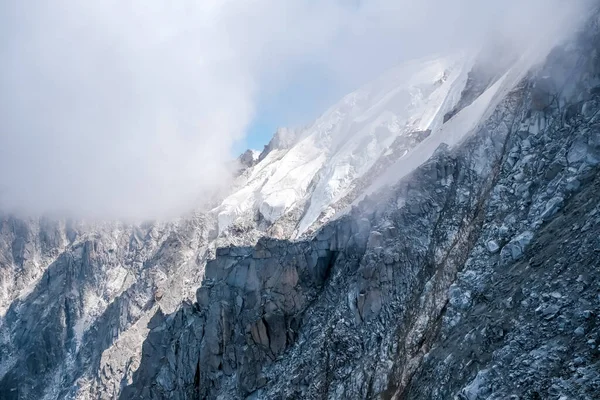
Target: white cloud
x,y
130,108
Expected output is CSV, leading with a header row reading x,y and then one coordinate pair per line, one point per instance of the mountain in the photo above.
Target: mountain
x,y
433,235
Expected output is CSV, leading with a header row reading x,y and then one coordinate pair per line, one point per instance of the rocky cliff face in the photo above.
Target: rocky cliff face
x,y
85,311
474,275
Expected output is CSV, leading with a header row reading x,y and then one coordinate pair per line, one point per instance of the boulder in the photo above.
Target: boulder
x,y
515,249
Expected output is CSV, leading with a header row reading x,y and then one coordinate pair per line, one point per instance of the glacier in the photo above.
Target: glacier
x,y
342,144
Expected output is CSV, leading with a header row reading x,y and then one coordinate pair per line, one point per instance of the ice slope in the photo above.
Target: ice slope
x,y
345,142
454,131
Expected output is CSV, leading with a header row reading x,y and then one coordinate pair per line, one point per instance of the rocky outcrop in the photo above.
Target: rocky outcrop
x,y
247,314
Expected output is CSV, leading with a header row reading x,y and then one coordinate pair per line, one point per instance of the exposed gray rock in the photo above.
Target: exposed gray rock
x,y
492,246
515,249
552,207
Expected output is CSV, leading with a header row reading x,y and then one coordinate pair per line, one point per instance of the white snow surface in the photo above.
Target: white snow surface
x,y
339,147
461,125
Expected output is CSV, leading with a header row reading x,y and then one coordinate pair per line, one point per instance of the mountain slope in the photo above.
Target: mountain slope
x,y
475,276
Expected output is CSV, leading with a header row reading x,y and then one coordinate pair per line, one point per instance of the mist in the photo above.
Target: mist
x,y
131,109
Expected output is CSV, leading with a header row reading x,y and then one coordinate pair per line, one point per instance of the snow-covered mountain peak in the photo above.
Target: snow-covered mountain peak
x,y
323,161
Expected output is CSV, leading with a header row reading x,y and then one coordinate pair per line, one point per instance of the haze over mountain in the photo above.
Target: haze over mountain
x,y
433,234
104,105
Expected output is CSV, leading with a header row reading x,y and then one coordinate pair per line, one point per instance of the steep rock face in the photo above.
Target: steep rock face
x,y
58,332
473,277
528,328
247,313
28,245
